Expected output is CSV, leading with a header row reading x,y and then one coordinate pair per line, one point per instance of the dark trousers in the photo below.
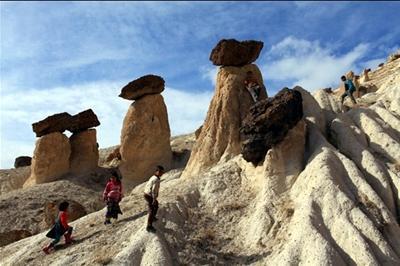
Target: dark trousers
x,y
152,208
66,234
348,93
113,209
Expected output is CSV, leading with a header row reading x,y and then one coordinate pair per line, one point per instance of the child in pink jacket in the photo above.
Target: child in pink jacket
x,y
112,195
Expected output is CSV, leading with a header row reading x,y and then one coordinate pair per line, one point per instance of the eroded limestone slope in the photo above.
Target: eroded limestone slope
x,y
328,194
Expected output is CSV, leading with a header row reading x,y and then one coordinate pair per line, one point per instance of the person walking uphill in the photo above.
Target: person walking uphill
x,y
112,195
60,228
349,88
150,195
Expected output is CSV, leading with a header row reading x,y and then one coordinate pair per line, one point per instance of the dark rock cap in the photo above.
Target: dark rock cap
x,y
64,121
235,53
22,161
54,123
268,122
149,84
83,121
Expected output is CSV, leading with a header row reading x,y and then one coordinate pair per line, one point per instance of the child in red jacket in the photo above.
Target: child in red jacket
x,y
112,195
60,228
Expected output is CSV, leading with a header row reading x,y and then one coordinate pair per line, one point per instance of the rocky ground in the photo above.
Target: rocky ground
x,y
328,194
29,207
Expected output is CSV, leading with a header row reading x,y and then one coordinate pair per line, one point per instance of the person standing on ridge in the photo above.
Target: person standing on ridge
x,y
349,89
150,194
60,228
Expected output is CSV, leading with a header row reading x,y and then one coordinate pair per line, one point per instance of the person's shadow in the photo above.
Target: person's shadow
x,y
75,241
134,217
80,240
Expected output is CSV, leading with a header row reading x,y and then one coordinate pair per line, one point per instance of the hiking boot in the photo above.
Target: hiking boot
x,y
107,222
151,229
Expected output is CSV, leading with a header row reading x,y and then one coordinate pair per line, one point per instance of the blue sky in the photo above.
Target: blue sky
x,y
69,56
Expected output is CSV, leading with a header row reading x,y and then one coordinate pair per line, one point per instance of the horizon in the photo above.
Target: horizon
x,y
77,55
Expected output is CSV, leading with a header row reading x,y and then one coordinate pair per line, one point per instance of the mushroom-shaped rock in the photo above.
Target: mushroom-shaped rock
x,y
145,139
83,121
268,123
219,138
149,84
235,53
22,161
54,123
50,159
84,152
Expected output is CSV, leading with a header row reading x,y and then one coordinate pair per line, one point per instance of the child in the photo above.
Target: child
x,y
252,86
112,195
60,228
150,195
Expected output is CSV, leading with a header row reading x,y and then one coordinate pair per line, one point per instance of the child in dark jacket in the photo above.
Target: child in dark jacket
x,y
112,195
60,228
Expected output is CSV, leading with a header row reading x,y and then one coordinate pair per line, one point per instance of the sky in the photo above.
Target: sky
x,y
70,56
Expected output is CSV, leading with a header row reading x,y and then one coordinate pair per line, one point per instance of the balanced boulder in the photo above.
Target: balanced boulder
x,y
54,123
50,159
219,138
149,84
145,139
268,122
64,121
235,53
22,161
84,152
83,121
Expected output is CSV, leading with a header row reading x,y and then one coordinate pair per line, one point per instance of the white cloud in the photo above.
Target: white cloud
x,y
210,74
309,64
19,109
373,64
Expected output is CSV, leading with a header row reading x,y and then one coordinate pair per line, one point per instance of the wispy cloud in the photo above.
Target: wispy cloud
x,y
66,56
210,74
309,64
186,111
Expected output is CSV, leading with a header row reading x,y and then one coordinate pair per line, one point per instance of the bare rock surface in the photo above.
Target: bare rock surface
x,y
220,135
145,139
34,209
235,53
11,179
50,159
149,84
318,198
64,121
84,156
22,161
82,121
53,123
268,122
